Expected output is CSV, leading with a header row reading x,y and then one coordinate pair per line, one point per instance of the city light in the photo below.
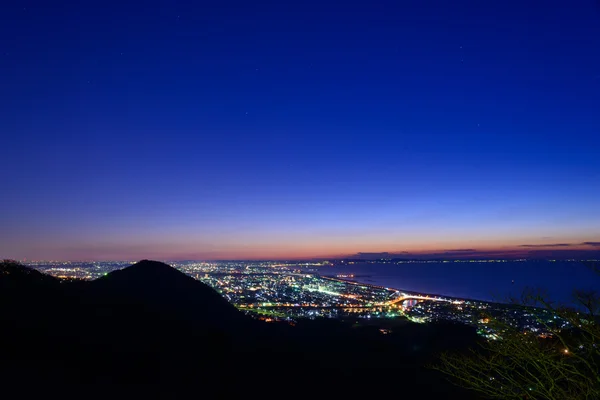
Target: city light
x,y
275,291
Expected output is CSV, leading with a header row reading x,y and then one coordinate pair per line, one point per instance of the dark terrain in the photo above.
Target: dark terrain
x,y
155,331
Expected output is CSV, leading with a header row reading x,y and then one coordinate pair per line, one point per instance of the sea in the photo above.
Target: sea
x,y
490,281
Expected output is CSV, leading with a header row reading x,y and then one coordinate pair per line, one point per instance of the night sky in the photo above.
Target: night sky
x,y
280,129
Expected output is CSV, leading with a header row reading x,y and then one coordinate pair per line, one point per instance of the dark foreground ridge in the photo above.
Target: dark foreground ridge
x,y
153,326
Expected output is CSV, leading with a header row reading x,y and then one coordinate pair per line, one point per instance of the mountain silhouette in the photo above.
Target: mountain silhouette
x,y
161,330
15,276
163,289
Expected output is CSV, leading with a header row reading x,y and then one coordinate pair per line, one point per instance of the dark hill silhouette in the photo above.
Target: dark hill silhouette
x,y
28,299
162,288
151,325
19,276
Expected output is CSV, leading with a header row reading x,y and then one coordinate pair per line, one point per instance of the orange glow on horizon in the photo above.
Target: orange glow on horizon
x,y
304,247
278,253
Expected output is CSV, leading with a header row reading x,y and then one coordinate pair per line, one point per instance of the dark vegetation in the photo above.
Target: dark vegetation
x,y
154,329
563,365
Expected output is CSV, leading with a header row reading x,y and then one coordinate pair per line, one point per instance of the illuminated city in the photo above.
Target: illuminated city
x,y
273,291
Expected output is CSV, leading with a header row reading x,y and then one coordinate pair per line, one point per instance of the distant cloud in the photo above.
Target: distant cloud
x,y
364,255
595,244
547,245
461,250
558,251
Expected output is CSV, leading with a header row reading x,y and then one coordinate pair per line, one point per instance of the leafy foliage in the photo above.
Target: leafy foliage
x,y
563,365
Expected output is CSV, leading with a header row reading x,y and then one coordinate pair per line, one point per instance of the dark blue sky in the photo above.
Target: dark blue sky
x,y
276,129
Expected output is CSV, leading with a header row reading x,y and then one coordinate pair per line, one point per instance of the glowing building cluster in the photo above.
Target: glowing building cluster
x,y
288,291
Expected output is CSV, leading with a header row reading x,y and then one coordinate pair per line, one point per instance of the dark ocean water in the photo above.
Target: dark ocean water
x,y
486,281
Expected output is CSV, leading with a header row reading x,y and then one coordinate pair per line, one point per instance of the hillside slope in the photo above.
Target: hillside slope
x,y
149,324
